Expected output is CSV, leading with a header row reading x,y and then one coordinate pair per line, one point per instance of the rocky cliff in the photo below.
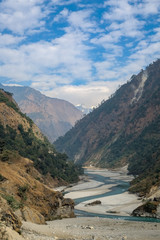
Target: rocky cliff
x,y
53,116
125,129
22,186
24,196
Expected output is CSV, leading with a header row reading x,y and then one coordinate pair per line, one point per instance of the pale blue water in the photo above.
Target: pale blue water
x,y
120,188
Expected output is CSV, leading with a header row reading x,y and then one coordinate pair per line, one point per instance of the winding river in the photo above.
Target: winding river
x,y
118,186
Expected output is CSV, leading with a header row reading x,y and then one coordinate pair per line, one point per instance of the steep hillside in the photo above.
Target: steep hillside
x,y
21,185
19,134
53,116
29,167
124,130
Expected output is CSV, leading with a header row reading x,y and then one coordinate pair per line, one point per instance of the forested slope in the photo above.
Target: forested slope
x,y
124,130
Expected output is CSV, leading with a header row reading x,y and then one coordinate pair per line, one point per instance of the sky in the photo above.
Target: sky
x,y
76,50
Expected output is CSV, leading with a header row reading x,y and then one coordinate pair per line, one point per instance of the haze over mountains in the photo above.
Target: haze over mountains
x,y
53,116
124,130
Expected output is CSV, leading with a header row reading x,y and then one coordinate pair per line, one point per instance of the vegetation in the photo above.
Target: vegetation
x,y
125,129
22,192
2,178
150,207
7,101
14,204
46,158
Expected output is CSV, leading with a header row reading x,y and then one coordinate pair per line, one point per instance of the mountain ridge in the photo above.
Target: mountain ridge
x,y
113,134
53,116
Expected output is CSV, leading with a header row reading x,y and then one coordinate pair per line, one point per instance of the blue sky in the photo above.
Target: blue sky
x,y
80,51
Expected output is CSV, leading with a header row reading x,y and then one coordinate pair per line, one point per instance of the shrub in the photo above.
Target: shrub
x,y
2,178
14,204
22,190
5,157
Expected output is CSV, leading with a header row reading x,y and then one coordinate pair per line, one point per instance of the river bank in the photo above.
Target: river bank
x,y
96,228
91,229
119,204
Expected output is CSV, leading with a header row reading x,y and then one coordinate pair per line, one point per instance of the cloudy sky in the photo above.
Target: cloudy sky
x,y
77,50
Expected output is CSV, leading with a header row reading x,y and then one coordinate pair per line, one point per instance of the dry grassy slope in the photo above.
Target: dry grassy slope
x,y
8,116
24,193
39,202
53,116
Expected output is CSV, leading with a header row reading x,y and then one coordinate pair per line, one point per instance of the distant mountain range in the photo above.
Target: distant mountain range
x,y
125,129
53,116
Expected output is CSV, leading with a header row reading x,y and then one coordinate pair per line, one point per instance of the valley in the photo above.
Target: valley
x,y
117,144
80,120
95,221
124,130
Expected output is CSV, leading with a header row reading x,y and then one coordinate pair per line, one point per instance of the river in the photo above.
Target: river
x,y
110,187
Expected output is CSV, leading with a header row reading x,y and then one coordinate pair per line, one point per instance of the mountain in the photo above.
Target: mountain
x,y
18,133
29,169
53,116
84,109
125,129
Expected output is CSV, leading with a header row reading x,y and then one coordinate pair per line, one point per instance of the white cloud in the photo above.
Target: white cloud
x,y
64,2
20,16
13,85
156,36
147,7
65,56
83,46
81,20
145,54
121,10
45,82
78,20
129,28
15,72
122,18
89,95
62,15
9,40
109,43
106,70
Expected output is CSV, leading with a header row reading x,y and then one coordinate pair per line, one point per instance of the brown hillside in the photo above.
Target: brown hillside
x,y
32,200
53,116
124,130
8,116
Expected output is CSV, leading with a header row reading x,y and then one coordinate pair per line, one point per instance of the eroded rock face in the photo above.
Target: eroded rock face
x,y
37,202
149,209
30,215
8,217
11,220
66,208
